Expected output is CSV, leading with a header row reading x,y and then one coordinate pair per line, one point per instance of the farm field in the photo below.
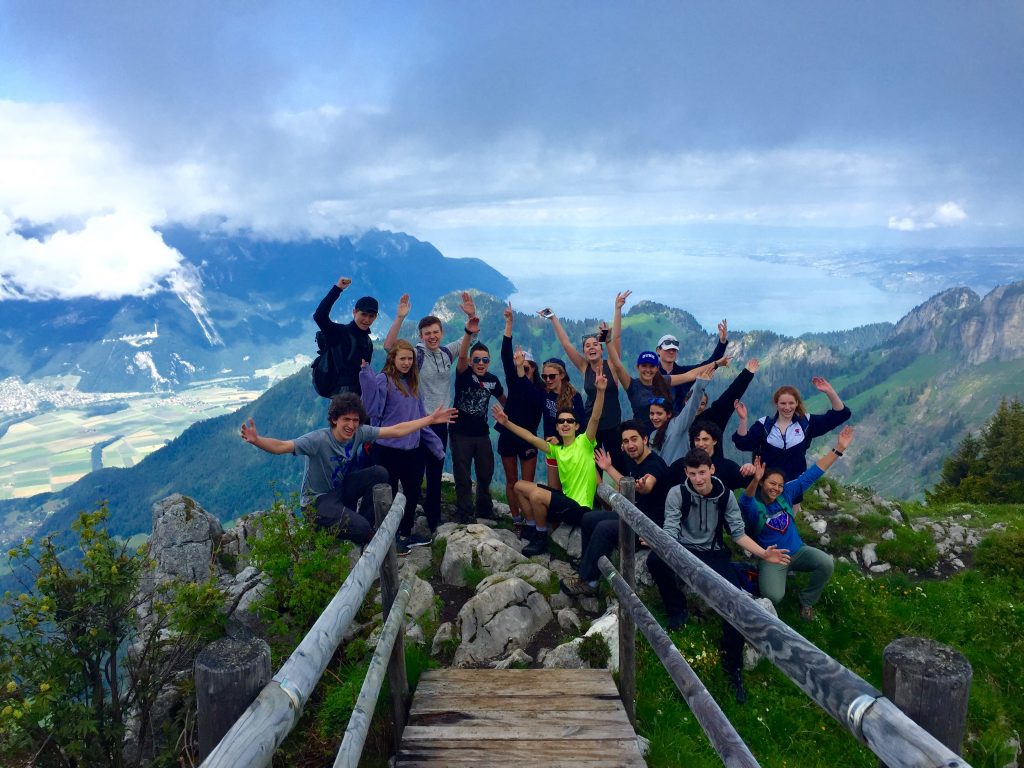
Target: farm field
x,y
53,449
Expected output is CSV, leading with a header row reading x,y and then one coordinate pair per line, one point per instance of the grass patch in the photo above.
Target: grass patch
x,y
910,549
858,616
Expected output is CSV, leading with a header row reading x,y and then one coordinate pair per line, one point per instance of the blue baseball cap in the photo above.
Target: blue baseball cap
x,y
647,357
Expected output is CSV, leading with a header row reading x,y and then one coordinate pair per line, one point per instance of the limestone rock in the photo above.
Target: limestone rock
x,y
501,509
568,620
888,535
590,604
569,538
184,539
421,601
414,634
559,600
868,554
880,567
566,655
444,634
475,545
819,526
518,656
534,573
503,617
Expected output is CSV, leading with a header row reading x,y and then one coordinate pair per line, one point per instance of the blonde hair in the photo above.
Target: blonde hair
x,y
412,378
566,392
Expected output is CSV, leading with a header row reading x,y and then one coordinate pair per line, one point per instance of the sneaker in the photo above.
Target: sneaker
x,y
738,689
807,612
677,620
574,586
538,545
402,545
416,541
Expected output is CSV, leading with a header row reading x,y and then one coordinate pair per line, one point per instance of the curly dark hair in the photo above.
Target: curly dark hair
x,y
344,404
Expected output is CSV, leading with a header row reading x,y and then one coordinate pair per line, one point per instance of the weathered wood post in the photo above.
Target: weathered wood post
x,y
229,675
627,626
930,683
397,679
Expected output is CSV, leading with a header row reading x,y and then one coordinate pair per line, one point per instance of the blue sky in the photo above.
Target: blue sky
x,y
888,120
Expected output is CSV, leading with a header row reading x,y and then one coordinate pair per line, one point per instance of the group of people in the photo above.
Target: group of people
x,y
394,426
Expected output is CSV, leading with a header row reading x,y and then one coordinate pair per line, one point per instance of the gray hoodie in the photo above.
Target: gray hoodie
x,y
696,528
436,373
677,431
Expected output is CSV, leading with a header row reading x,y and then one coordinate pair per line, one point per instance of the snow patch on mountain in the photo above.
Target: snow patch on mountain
x,y
144,363
187,285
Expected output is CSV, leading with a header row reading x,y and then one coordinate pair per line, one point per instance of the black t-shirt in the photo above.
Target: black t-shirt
x,y
472,394
651,504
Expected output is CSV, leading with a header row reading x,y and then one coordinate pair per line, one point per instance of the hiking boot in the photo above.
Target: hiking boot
x,y
538,544
738,689
416,541
574,586
677,620
807,612
528,532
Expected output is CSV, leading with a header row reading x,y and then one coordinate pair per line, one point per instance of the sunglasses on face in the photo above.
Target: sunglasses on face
x,y
481,360
549,376
565,421
656,401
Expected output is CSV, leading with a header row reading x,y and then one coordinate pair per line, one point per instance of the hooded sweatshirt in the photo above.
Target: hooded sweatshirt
x,y
387,405
436,373
691,519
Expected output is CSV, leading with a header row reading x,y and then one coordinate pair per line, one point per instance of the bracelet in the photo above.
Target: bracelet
x,y
837,452
466,330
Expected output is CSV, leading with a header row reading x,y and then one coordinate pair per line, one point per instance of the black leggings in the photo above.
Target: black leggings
x,y
405,466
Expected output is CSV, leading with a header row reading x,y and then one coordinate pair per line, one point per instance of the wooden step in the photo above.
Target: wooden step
x,y
521,717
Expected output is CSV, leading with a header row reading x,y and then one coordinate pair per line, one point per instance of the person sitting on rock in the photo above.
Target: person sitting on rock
x,y
697,513
574,454
333,483
600,528
767,507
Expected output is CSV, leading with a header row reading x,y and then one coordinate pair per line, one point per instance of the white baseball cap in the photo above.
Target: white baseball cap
x,y
668,341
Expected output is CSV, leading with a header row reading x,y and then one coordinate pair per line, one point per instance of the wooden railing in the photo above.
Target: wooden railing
x,y
872,719
251,741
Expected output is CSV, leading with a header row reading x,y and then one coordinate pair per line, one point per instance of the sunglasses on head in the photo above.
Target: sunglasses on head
x,y
549,376
565,421
656,401
481,360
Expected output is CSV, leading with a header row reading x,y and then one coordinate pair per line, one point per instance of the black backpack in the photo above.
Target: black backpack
x,y
325,368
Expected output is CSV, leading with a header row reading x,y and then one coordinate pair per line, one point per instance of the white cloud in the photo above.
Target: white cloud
x,y
950,213
112,255
945,215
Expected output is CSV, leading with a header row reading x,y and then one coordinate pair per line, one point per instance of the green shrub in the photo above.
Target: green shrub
x,y
910,549
594,651
999,553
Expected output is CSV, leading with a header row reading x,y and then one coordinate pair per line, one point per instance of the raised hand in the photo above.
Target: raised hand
x,y
473,325
344,282
723,331
723,362
706,371
600,381
404,306
519,357
468,305
363,363
741,409
249,432
753,364
759,468
844,439
603,459
821,384
747,470
507,313
499,414
645,484
620,299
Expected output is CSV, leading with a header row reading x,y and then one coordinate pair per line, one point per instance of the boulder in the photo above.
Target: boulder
x,y
475,546
421,601
566,655
868,554
184,540
569,538
444,634
568,620
518,656
880,567
501,618
535,573
819,526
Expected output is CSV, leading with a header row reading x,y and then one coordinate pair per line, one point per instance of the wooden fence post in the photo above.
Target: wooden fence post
x,y
229,674
930,683
627,626
397,678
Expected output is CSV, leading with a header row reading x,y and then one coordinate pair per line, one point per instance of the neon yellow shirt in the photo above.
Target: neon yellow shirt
x,y
576,470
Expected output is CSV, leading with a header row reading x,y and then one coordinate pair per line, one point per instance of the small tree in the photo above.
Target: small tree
x,y
988,467
78,668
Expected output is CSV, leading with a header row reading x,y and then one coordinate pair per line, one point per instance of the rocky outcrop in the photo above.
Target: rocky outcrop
x,y
501,618
475,546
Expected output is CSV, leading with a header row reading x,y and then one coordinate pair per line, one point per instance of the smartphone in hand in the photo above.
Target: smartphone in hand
x,y
546,312
603,335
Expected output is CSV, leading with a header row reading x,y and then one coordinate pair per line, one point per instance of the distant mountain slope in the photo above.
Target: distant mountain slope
x,y
911,406
237,305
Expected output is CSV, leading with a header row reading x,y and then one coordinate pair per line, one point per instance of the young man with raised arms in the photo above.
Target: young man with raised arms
x,y
333,483
350,343
574,454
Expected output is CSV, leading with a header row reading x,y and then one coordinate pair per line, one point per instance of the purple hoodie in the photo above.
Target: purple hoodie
x,y
387,405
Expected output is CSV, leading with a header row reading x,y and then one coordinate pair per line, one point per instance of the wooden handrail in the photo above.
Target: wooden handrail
x,y
359,723
251,741
720,731
859,707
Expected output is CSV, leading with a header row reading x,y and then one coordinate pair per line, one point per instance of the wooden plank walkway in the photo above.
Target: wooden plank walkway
x,y
522,717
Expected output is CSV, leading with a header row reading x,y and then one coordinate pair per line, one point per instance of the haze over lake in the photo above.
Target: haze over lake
x,y
788,286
